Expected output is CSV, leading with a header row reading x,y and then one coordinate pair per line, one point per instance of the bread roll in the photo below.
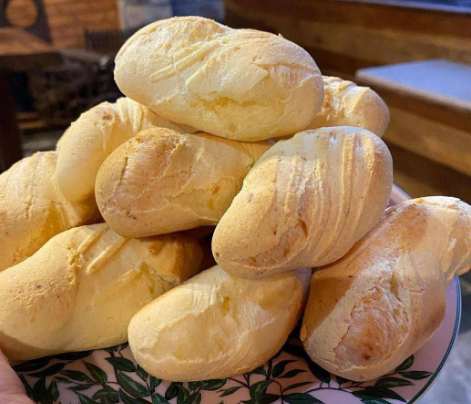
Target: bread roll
x,y
93,136
215,325
236,83
32,209
379,304
162,181
80,290
345,103
305,203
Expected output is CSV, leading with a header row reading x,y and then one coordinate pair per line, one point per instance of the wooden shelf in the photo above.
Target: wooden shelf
x,y
430,104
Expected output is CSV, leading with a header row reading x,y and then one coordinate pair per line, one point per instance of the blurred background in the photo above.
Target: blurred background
x,y
56,61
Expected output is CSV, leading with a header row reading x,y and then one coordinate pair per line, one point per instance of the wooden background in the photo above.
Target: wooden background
x,y
430,142
68,19
345,36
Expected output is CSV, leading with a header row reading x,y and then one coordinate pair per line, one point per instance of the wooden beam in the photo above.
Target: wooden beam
x,y
347,36
374,16
419,176
431,139
452,116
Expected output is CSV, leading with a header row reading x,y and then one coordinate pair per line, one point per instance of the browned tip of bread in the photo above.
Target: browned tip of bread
x,y
370,310
306,201
346,103
162,181
93,136
33,209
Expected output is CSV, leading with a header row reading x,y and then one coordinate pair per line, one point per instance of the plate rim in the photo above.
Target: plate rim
x,y
456,328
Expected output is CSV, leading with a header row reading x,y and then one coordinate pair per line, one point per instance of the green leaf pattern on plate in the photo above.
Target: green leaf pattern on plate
x,y
112,376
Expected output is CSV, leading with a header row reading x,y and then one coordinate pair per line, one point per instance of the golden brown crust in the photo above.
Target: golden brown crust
x,y
32,209
215,325
306,201
162,181
90,281
236,83
93,136
376,306
345,103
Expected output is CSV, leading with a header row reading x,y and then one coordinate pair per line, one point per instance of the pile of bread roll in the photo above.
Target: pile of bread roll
x,y
237,129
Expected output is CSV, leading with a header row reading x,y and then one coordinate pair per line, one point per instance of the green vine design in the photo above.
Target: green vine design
x,y
266,384
368,393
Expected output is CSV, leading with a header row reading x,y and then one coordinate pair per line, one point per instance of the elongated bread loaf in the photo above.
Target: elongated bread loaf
x,y
80,290
236,83
345,103
162,181
379,304
93,136
32,209
216,326
305,203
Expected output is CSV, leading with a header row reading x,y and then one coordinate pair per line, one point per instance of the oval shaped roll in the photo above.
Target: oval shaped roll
x,y
240,84
305,203
33,209
93,136
215,325
380,303
80,290
346,103
162,181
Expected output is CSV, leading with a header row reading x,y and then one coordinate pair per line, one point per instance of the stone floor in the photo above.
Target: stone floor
x,y
452,386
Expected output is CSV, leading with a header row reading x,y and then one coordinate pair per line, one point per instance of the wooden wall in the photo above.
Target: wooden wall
x,y
68,19
344,36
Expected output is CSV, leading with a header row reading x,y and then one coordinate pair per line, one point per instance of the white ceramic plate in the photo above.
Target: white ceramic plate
x,y
112,375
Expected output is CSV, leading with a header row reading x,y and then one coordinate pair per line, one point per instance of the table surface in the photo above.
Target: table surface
x,y
20,50
430,105
436,80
